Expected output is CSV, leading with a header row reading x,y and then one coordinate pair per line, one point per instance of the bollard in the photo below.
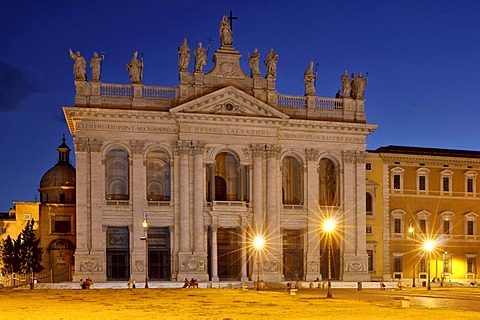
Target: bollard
x,y
230,286
359,285
311,285
319,286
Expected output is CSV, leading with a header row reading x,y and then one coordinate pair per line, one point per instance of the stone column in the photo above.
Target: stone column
x,y
243,244
175,168
313,232
184,196
355,257
198,196
82,156
199,230
211,168
90,253
258,152
214,260
272,270
137,192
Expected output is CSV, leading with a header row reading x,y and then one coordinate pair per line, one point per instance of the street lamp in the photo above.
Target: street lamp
x,y
145,237
258,243
411,230
429,245
328,228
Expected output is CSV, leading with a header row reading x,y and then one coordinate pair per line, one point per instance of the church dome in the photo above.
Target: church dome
x,y
61,175
58,183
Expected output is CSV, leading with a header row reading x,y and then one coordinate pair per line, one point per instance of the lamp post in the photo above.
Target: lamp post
x,y
429,246
411,229
145,237
328,228
258,244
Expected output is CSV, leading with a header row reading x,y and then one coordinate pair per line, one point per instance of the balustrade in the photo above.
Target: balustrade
x,y
116,90
329,104
287,101
151,92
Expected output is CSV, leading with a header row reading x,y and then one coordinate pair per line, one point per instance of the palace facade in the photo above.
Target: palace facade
x,y
176,182
416,195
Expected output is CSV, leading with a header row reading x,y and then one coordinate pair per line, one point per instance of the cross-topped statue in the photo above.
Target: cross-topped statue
x,y
226,38
231,18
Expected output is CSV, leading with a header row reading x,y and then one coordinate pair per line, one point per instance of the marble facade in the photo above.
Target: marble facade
x,y
222,141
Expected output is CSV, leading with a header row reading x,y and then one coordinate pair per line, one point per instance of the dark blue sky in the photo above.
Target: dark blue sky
x,y
421,56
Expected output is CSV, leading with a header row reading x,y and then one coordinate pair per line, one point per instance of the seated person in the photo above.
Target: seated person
x,y
186,283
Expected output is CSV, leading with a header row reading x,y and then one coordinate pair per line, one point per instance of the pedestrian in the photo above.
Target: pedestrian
x,y
133,284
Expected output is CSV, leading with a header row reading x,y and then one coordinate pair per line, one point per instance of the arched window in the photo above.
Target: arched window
x,y
292,181
328,183
226,181
158,176
116,175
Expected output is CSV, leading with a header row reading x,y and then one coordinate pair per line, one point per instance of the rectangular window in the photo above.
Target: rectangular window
x,y
62,198
370,260
423,225
470,228
397,264
369,229
446,226
422,265
61,224
396,181
4,230
368,166
469,185
446,184
471,268
447,265
421,183
27,216
397,225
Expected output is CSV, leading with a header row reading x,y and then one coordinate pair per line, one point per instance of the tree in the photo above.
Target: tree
x,y
30,252
10,258
23,255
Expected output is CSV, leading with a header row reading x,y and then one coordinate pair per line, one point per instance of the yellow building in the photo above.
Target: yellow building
x,y
428,194
54,217
18,216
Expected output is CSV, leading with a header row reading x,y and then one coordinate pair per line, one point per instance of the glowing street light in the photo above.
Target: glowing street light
x,y
145,237
258,244
329,228
429,245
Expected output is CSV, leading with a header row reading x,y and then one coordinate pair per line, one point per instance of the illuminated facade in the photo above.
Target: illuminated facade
x,y
426,194
210,163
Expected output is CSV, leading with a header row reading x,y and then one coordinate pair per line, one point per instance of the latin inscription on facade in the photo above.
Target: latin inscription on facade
x,y
125,127
321,137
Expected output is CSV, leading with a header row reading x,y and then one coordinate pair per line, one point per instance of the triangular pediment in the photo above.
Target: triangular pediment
x,y
229,101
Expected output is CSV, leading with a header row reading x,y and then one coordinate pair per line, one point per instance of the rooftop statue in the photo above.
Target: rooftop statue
x,y
309,79
135,68
346,84
200,57
96,66
226,38
359,85
79,66
183,56
253,61
271,63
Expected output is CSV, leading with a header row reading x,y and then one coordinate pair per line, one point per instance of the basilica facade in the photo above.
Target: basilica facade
x,y
175,182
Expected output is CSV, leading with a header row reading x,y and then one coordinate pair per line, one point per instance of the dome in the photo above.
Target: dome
x,y
61,175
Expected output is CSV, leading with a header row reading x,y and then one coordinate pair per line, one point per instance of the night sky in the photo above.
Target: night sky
x,y
422,59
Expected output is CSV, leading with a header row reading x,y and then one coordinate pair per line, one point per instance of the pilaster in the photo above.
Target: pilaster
x,y
312,271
